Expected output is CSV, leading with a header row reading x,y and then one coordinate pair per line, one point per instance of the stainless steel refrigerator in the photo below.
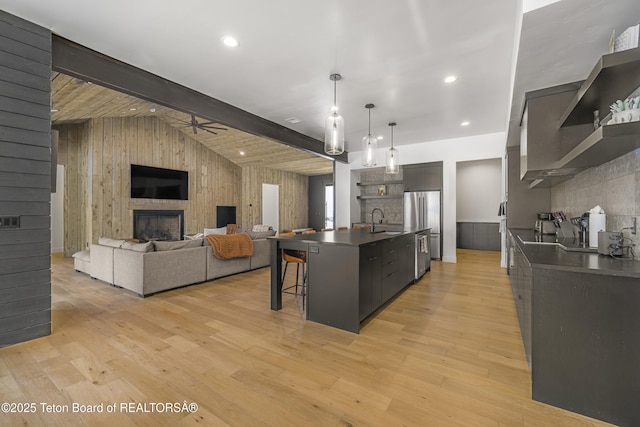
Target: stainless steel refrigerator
x,y
422,210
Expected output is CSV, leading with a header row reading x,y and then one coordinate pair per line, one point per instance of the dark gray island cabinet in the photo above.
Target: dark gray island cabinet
x,y
579,316
351,273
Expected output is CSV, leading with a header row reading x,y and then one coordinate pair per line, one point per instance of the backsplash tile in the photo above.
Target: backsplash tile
x,y
615,186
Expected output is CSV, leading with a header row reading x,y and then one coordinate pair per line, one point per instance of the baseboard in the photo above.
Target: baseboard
x,y
452,259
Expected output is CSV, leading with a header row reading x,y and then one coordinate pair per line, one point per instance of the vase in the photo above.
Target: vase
x,y
627,116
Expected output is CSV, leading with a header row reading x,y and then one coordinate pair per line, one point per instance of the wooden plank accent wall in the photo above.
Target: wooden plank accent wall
x,y
293,204
98,156
25,182
73,153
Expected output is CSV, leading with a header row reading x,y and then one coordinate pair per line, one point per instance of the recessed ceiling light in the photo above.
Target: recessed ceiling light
x,y
54,111
230,41
132,109
380,138
152,110
450,79
292,120
465,123
242,153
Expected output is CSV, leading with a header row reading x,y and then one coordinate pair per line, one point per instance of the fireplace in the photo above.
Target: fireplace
x,y
151,225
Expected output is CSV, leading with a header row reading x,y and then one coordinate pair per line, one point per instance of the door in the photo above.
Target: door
x,y
270,204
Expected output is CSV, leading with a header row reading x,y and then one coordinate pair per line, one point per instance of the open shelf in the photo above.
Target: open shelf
x,y
608,142
386,196
615,76
364,184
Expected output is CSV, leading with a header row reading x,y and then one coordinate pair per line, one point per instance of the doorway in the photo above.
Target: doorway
x,y
328,206
270,203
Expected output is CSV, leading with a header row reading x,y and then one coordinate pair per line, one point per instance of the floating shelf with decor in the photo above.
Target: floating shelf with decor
x,y
382,190
615,76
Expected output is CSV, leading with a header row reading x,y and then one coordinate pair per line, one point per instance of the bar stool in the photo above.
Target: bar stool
x,y
300,259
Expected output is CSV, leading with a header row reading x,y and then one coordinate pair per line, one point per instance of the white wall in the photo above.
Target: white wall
x,y
479,190
450,152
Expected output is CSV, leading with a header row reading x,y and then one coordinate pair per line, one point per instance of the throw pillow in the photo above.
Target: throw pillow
x,y
261,227
255,235
171,245
138,247
113,243
221,230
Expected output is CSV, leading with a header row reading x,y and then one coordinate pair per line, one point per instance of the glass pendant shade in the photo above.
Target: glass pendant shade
x,y
393,158
369,147
334,134
393,166
369,144
334,125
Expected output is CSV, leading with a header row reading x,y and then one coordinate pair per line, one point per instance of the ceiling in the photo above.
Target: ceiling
x,y
394,54
75,101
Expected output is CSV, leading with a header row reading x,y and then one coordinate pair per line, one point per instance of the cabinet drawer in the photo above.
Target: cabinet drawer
x,y
390,285
389,267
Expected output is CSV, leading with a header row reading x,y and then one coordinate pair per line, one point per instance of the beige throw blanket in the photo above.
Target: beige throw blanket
x,y
227,246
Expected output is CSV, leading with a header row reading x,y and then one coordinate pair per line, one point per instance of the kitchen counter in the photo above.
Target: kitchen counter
x,y
549,254
579,319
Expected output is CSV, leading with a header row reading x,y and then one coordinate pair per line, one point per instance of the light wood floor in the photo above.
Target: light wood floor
x,y
446,352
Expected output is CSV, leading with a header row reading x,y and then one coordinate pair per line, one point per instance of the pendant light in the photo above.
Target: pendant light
x,y
392,156
334,126
369,144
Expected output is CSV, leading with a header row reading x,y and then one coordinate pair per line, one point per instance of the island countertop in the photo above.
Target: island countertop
x,y
351,237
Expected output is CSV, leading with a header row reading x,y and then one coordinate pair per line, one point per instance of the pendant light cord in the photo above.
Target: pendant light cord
x,y
391,136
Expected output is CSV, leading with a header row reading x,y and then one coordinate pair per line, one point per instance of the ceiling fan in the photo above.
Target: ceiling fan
x,y
205,126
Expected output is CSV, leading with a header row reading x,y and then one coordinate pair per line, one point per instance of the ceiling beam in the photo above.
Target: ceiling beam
x,y
86,64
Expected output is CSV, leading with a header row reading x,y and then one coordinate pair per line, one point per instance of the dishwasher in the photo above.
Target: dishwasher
x,y
422,253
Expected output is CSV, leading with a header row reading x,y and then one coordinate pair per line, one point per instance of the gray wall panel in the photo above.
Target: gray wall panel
x,y
25,122
14,21
27,278
15,236
8,164
25,108
25,267
13,90
24,136
21,265
23,151
17,62
21,180
25,293
33,208
8,252
27,333
25,306
23,194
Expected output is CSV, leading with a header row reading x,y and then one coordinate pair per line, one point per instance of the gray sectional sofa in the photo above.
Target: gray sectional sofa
x,y
148,268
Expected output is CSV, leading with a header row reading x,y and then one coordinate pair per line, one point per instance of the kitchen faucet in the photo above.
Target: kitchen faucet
x,y
372,228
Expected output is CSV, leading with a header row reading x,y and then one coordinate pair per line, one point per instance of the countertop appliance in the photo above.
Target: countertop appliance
x,y
422,211
422,253
544,226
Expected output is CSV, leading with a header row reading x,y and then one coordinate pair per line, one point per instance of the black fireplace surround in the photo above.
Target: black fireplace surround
x,y
153,225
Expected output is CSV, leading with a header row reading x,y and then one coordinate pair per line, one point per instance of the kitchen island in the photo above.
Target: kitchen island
x,y
580,322
350,273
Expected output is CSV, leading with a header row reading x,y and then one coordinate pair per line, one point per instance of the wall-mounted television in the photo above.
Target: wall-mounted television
x,y
157,183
